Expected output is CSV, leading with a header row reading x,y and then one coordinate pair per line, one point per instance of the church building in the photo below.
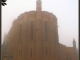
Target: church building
x,y
34,36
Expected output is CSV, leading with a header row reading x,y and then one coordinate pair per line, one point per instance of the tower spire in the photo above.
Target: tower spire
x,y
38,5
74,43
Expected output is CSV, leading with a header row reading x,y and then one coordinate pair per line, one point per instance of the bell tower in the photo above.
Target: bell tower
x,y
74,43
38,5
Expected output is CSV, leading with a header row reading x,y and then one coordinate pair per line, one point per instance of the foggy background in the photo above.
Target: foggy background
x,y
66,12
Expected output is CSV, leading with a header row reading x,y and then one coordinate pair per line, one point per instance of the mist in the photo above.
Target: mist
x,y
66,12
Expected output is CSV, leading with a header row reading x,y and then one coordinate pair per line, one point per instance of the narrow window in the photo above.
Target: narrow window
x,y
46,31
67,56
70,58
19,52
31,31
46,50
20,33
31,52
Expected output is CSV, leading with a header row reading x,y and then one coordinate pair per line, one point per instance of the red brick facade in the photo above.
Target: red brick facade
x,y
34,36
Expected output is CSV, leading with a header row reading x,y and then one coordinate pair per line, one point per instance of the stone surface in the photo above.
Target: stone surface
x,y
34,36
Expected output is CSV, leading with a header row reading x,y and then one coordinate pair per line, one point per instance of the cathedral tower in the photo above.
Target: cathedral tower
x,y
74,43
38,5
34,36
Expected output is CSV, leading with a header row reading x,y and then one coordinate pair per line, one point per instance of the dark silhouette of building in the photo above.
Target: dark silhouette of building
x,y
34,36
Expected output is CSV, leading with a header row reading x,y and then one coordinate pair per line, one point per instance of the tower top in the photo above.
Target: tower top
x,y
74,40
74,43
38,0
38,5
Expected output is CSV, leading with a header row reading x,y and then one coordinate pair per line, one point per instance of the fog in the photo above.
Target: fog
x,y
66,12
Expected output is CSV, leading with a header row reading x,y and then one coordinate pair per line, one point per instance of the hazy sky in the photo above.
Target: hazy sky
x,y
66,12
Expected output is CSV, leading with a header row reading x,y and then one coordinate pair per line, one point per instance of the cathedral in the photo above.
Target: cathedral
x,y
34,36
